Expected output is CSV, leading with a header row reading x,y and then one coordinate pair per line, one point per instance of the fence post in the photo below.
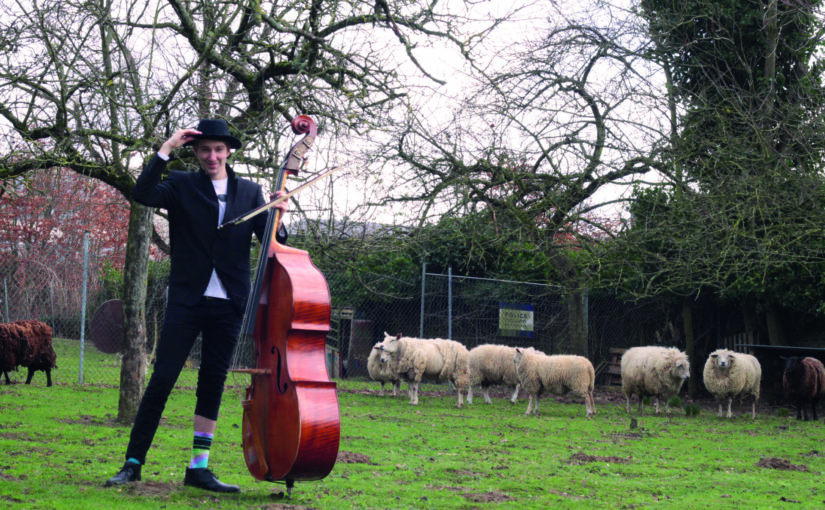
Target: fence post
x,y
450,303
587,318
6,295
51,304
423,282
83,304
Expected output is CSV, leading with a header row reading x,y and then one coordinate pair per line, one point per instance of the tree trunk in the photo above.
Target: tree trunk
x,y
690,348
577,320
771,20
576,294
751,321
136,270
776,333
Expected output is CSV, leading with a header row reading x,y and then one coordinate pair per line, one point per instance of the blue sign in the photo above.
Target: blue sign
x,y
515,320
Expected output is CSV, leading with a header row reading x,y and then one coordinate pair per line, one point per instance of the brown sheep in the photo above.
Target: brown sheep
x,y
804,383
27,343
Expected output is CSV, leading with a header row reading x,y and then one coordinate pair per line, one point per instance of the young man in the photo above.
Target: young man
x,y
209,284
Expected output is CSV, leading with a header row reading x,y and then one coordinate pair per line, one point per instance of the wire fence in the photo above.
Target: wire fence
x,y
86,316
473,311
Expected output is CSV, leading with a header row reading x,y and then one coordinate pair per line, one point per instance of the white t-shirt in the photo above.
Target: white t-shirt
x,y
215,287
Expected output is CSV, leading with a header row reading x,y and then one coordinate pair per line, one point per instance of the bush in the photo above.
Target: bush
x,y
692,409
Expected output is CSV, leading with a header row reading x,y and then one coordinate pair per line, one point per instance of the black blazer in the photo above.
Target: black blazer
x,y
196,244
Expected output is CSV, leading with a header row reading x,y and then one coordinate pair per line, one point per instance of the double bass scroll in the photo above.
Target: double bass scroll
x,y
291,422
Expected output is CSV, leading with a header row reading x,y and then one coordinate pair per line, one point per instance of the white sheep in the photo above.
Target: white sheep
x,y
558,374
492,364
732,375
652,371
381,368
432,359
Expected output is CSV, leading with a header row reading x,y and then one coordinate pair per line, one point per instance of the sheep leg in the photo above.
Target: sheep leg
x,y
412,389
6,374
48,377
396,387
460,401
30,376
536,407
721,412
470,395
813,410
753,409
590,403
487,395
730,402
529,404
515,395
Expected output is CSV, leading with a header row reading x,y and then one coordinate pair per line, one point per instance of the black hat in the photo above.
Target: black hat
x,y
215,129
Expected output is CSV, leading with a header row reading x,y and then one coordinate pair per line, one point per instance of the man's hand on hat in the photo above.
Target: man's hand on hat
x,y
180,137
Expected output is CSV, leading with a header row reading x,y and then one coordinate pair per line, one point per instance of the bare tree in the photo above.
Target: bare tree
x,y
550,125
97,86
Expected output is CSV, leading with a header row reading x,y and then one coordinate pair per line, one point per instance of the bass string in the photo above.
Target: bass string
x,y
243,356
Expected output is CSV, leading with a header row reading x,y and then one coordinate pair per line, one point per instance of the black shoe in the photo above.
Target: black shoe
x,y
130,472
202,478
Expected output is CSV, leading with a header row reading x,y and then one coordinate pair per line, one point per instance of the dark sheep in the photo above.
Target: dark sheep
x,y
804,383
27,343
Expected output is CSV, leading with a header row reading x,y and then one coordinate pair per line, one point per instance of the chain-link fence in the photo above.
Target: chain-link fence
x,y
70,293
364,308
472,311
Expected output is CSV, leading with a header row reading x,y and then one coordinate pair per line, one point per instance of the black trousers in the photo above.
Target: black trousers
x,y
219,323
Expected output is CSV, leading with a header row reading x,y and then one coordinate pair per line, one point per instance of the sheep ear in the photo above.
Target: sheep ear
x,y
398,336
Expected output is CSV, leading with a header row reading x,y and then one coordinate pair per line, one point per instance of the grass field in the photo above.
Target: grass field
x,y
59,444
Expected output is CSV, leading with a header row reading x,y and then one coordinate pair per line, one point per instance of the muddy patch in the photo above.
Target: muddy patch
x,y
583,458
353,458
487,497
150,489
780,464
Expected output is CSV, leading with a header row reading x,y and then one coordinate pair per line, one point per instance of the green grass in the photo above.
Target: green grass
x,y
58,445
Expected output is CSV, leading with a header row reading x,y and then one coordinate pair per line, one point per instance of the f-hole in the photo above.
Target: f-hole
x,y
282,384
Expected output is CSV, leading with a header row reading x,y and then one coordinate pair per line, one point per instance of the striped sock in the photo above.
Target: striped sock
x,y
200,450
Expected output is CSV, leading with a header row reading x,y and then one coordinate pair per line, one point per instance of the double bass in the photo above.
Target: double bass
x,y
291,424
